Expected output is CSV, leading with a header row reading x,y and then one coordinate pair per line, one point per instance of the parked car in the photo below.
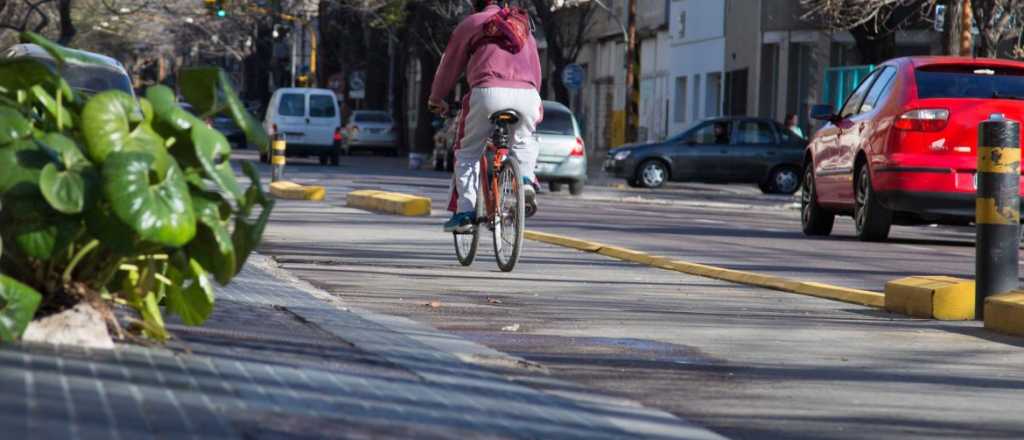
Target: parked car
x,y
563,156
227,126
310,121
86,72
371,130
903,148
722,150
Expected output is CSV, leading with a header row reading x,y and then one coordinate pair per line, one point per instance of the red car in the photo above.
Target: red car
x,y
902,150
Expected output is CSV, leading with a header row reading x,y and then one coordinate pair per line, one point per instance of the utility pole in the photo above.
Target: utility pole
x,y
632,100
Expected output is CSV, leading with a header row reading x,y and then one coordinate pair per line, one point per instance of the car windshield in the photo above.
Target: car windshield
x,y
292,104
377,117
969,81
94,79
557,122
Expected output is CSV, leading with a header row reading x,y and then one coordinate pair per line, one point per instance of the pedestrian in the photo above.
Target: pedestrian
x,y
792,123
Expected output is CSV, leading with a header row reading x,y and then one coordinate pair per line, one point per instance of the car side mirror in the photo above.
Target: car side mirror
x,y
823,112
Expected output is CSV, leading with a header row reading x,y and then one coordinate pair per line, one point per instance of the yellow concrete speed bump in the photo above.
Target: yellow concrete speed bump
x,y
1004,313
582,245
389,203
938,297
291,190
624,254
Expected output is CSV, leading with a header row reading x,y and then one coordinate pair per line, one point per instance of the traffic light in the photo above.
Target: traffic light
x,y
216,8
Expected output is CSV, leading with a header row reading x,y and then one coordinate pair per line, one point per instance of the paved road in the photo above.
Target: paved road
x,y
745,362
734,226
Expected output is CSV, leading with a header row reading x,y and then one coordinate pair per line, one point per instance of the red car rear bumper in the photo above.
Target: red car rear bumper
x,y
932,193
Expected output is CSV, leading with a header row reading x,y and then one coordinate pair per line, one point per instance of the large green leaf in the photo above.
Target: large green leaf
x,y
209,90
13,126
107,122
201,87
214,153
18,304
190,295
248,233
212,247
20,165
23,73
254,195
36,229
113,233
59,53
150,197
167,110
66,184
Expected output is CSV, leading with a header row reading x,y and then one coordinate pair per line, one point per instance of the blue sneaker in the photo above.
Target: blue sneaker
x,y
461,222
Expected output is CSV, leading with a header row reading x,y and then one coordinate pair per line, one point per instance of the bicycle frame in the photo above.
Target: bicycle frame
x,y
497,152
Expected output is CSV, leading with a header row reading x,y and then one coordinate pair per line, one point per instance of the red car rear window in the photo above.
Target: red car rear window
x,y
969,81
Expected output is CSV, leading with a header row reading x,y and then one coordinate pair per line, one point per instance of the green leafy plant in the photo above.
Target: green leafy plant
x,y
110,198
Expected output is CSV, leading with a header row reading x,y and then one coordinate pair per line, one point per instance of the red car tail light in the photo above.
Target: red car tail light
x,y
923,120
337,134
578,150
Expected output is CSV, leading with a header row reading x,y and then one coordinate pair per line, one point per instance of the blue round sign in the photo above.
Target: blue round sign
x,y
572,76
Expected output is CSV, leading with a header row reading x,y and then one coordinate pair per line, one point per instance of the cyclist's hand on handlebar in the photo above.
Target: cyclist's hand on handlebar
x,y
438,107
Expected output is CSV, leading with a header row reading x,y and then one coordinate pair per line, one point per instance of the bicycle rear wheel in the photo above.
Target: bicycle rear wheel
x,y
510,216
466,243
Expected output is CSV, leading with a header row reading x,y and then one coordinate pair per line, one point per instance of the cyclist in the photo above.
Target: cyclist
x,y
496,49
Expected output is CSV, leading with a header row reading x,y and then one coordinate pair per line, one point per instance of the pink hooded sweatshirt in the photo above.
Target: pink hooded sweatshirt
x,y
489,65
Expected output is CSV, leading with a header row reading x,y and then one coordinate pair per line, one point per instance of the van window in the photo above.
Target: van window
x,y
292,104
378,117
557,122
321,106
969,81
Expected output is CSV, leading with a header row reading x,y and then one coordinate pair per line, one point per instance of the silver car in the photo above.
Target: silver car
x,y
371,130
563,156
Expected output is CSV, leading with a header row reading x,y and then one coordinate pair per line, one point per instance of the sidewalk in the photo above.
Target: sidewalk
x,y
281,359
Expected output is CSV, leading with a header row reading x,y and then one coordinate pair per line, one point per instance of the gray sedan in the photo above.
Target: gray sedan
x,y
723,150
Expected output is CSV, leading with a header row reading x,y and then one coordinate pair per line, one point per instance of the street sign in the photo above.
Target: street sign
x,y
572,77
357,85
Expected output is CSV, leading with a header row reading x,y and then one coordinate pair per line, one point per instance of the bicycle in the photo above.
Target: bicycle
x,y
501,204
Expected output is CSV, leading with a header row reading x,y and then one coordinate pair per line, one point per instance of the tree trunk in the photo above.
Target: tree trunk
x,y
561,92
951,28
423,141
873,48
67,26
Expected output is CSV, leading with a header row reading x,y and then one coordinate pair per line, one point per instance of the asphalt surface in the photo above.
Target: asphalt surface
x,y
745,362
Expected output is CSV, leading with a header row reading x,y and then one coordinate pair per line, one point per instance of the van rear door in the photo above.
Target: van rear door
x,y
291,116
323,118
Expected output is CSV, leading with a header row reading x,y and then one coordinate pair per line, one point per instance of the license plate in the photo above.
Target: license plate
x,y
544,168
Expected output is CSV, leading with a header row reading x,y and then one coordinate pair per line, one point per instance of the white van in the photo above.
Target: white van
x,y
310,121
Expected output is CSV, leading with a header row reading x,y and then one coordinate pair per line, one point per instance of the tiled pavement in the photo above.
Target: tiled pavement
x,y
279,359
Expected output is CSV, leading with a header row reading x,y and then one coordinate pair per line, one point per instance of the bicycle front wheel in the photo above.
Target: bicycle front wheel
x,y
466,243
510,216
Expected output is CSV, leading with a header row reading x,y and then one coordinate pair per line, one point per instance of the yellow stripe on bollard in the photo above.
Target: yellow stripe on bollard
x,y
987,213
998,160
279,145
277,160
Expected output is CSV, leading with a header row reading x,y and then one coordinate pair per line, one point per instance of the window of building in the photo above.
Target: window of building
x,y
696,101
713,97
680,108
768,102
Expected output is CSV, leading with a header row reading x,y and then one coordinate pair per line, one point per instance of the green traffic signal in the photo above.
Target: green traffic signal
x,y
222,13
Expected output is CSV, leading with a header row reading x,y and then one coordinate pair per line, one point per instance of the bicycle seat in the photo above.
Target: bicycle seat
x,y
507,116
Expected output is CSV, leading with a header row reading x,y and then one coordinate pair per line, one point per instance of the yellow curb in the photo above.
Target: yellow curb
x,y
389,202
855,296
294,191
1004,313
938,297
582,245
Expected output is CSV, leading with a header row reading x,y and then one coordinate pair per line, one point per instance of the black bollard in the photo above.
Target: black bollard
x,y
277,159
997,209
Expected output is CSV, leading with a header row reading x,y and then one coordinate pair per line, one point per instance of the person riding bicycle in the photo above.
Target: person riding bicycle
x,y
496,49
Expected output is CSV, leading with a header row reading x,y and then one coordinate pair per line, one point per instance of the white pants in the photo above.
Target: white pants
x,y
476,129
